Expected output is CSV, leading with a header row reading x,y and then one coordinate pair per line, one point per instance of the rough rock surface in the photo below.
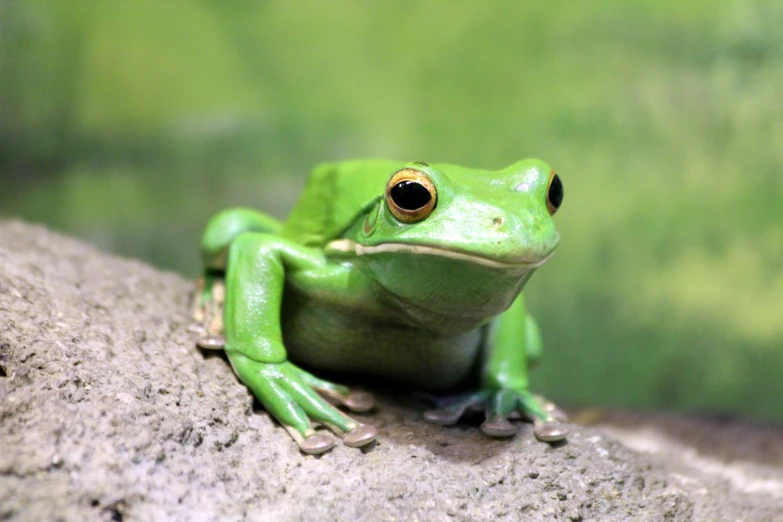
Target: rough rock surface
x,y
109,412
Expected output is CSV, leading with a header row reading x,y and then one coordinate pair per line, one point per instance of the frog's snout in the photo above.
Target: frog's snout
x,y
524,238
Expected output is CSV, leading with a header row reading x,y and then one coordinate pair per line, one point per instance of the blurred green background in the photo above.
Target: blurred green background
x,y
130,123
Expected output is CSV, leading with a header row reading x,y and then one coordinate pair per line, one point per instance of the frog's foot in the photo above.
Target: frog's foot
x,y
501,405
290,395
208,313
353,433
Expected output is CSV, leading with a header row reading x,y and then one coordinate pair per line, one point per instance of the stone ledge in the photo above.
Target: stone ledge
x,y
109,412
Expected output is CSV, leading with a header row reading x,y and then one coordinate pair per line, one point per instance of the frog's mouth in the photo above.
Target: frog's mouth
x,y
349,246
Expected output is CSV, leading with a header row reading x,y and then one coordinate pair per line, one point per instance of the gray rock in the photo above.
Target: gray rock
x,y
108,411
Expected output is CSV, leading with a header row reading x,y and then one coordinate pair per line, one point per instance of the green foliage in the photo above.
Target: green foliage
x,y
129,123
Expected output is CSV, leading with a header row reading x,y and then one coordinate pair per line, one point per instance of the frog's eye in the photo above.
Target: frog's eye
x,y
554,194
410,195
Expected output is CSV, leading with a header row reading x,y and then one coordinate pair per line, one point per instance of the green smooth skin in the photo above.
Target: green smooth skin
x,y
344,285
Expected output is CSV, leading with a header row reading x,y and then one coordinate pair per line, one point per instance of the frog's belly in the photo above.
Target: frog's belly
x,y
321,336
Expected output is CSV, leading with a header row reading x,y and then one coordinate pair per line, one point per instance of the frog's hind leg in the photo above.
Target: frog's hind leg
x,y
199,313
225,227
208,312
514,343
210,294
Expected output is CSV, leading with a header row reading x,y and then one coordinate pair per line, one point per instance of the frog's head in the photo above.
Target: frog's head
x,y
454,238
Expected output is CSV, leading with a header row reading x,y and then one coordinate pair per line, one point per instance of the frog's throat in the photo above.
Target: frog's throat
x,y
352,247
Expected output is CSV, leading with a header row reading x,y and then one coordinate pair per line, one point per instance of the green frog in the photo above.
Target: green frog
x,y
406,271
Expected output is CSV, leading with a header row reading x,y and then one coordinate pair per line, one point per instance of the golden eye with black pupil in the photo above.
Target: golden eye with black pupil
x,y
554,194
410,195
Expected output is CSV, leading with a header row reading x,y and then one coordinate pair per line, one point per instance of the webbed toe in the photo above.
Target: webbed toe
x,y
498,426
316,444
211,342
359,402
550,430
360,436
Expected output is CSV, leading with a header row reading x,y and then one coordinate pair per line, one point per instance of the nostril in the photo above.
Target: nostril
x,y
497,221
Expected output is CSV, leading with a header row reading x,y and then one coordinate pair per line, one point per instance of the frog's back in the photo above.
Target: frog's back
x,y
335,194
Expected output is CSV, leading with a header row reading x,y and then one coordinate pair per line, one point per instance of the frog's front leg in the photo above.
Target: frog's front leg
x,y
255,279
218,235
512,345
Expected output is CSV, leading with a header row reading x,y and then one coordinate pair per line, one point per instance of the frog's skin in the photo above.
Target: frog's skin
x,y
406,271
